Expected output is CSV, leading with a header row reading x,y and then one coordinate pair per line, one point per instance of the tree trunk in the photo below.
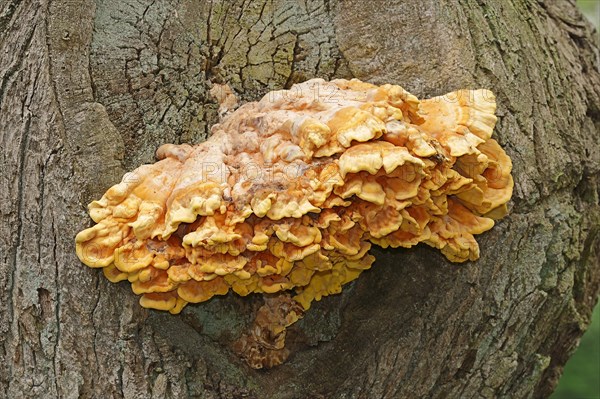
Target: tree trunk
x,y
90,90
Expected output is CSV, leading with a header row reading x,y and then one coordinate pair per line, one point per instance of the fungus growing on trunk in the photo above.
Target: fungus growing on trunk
x,y
289,193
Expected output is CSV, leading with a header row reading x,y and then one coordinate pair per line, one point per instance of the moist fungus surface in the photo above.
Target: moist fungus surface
x,y
290,192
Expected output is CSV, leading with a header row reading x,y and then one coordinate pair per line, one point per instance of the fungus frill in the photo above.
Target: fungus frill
x,y
289,193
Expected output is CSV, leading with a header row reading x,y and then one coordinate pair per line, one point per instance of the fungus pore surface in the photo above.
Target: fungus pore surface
x,y
289,193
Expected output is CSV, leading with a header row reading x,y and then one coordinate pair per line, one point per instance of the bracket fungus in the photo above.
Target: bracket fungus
x,y
289,193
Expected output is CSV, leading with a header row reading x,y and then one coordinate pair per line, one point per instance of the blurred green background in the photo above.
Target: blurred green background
x,y
591,9
581,377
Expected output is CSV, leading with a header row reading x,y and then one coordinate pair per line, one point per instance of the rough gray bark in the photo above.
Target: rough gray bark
x,y
90,90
